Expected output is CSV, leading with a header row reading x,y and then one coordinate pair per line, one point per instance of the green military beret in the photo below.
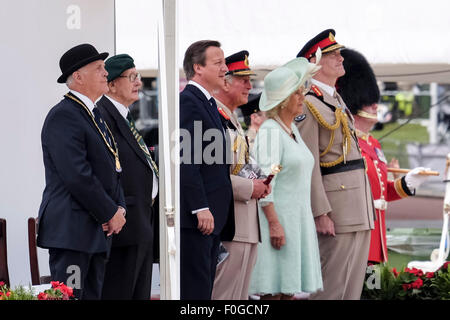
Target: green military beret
x,y
118,64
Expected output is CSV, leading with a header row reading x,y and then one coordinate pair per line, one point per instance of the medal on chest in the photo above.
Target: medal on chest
x,y
380,155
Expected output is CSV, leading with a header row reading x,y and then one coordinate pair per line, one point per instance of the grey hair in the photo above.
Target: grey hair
x,y
229,78
69,81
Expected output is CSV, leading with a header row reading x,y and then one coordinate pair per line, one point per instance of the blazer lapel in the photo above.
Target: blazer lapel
x,y
124,129
207,105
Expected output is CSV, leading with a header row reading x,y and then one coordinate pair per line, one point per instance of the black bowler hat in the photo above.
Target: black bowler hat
x,y
358,87
252,106
324,40
78,57
238,64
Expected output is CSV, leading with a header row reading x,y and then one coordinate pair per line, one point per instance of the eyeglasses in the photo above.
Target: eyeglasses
x,y
132,77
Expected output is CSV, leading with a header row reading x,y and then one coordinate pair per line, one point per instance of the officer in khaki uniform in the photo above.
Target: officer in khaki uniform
x,y
233,275
341,201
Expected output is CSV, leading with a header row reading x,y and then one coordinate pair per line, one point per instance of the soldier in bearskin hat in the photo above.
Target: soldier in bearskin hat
x,y
359,89
340,192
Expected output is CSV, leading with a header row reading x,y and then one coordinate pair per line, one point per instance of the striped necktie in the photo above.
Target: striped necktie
x,y
142,144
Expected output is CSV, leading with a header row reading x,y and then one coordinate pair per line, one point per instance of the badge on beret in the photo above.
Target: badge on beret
x,y
380,155
246,61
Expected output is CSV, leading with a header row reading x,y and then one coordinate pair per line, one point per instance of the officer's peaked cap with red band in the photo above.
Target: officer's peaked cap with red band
x,y
325,40
238,64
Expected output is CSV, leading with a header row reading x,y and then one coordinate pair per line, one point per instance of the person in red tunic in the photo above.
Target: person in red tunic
x,y
359,89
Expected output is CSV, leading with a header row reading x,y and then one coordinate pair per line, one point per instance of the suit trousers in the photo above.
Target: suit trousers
x,y
128,274
198,261
344,263
82,271
234,274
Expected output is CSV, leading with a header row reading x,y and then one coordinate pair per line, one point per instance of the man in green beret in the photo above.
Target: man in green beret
x,y
129,268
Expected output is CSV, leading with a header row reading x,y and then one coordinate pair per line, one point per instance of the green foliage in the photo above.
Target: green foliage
x,y
386,283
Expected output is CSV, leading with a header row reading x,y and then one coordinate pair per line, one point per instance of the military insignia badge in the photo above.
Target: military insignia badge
x,y
331,37
380,155
246,61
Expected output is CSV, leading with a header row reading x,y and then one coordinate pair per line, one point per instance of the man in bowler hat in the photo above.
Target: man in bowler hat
x,y
129,268
233,275
82,170
341,201
206,195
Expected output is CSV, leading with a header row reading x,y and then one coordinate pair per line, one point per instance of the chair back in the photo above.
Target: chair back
x,y
4,274
36,278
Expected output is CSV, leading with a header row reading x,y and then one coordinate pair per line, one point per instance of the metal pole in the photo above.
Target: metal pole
x,y
168,104
432,128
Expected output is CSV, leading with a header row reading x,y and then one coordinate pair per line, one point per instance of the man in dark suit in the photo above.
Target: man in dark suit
x,y
206,195
129,268
82,171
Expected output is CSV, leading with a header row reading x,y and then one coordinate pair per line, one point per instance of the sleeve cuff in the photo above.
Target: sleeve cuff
x,y
402,188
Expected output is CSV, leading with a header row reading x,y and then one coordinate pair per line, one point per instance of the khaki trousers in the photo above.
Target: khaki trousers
x,y
344,262
233,275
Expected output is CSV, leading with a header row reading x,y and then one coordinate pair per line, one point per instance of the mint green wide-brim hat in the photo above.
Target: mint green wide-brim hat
x,y
280,83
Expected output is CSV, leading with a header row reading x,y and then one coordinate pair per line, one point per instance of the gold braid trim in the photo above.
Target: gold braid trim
x,y
340,119
240,143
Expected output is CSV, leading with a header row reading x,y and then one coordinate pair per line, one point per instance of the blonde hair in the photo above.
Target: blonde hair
x,y
276,110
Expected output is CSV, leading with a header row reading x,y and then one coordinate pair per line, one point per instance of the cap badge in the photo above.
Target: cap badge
x,y
331,37
246,61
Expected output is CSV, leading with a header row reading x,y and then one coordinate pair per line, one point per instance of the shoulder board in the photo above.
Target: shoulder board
x,y
316,91
222,113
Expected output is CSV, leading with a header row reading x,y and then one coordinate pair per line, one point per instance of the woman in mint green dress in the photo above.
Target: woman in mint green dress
x,y
288,259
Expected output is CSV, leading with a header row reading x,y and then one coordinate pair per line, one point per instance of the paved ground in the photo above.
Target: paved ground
x,y
415,212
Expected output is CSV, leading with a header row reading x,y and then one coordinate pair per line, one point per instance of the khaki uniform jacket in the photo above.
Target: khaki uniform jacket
x,y
345,196
245,208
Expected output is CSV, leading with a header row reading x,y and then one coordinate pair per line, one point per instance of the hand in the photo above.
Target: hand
x,y
260,189
277,237
414,179
394,164
205,222
268,191
116,223
324,225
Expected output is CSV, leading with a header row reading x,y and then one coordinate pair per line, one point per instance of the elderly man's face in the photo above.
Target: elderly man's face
x,y
239,88
93,78
125,90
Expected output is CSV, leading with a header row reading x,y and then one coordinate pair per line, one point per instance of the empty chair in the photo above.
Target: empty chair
x,y
4,274
36,278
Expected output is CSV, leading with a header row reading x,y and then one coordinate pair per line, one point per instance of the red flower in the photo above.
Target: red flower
x,y
394,271
406,286
42,296
417,284
2,283
445,266
429,275
415,271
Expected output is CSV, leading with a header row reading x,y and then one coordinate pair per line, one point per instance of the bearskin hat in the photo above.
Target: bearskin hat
x,y
358,87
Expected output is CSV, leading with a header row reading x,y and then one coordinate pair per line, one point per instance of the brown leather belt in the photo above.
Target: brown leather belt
x,y
342,167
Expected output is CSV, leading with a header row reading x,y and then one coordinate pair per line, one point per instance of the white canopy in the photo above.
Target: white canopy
x,y
399,38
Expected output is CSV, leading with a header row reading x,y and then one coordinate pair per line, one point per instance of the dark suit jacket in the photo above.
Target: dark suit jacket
x,y
136,180
201,184
82,186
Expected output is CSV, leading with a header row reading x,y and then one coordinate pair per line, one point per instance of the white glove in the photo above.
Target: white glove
x,y
413,179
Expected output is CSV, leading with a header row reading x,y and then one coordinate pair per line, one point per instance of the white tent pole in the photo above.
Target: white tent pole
x,y
169,236
432,128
